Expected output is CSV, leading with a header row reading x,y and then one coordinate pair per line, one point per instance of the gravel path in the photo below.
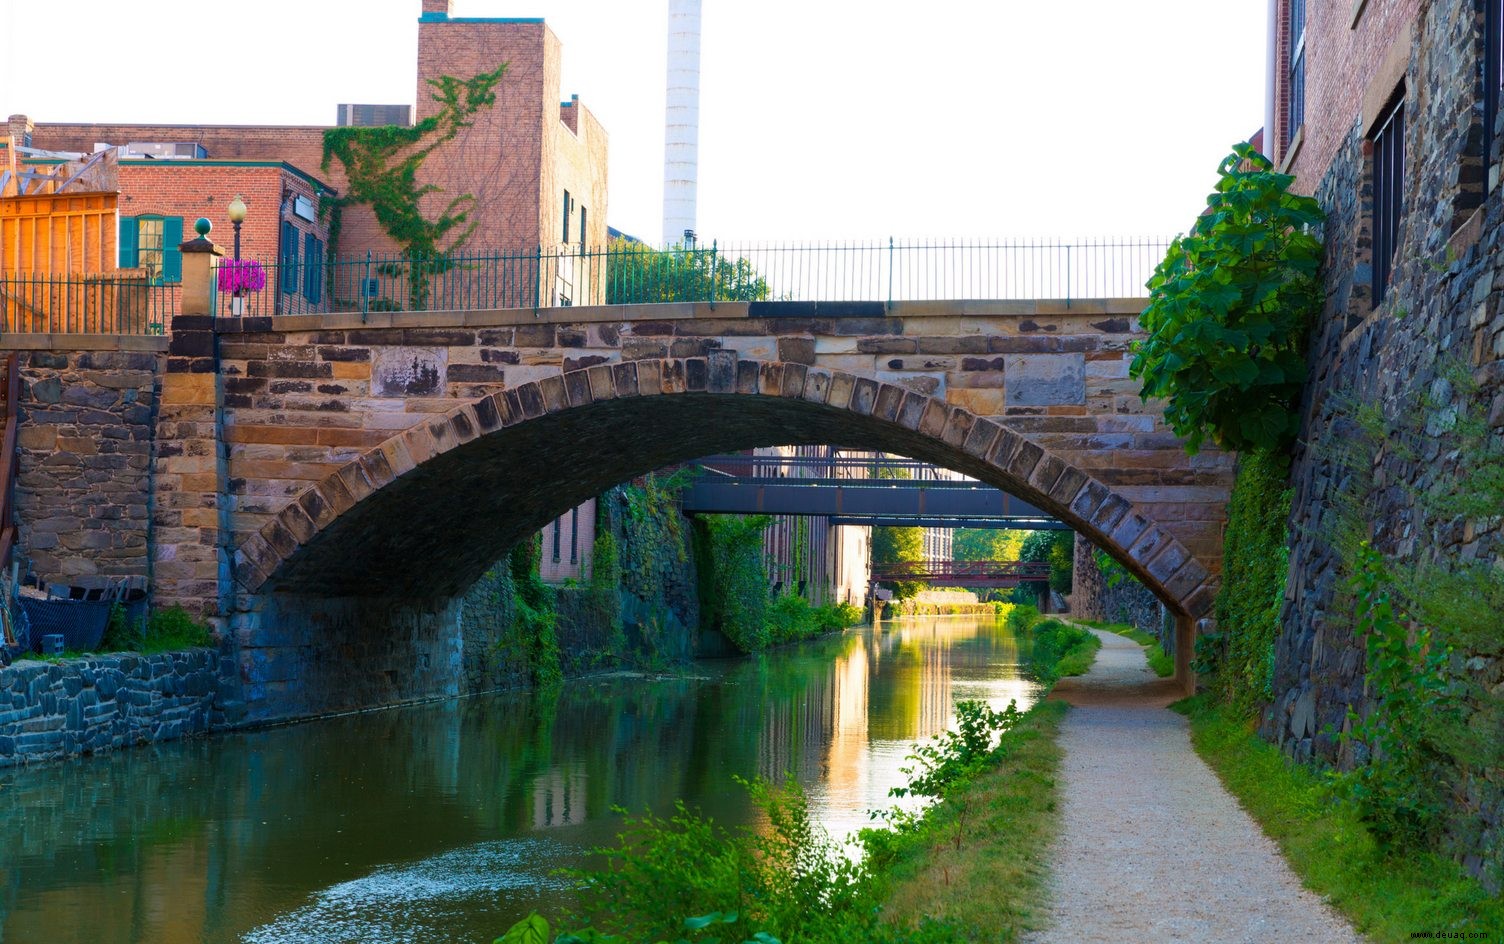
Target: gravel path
x,y
1153,848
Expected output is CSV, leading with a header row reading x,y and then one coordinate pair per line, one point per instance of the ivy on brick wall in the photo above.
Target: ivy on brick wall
x,y
1228,312
382,163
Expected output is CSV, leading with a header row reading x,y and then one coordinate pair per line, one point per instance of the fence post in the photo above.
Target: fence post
x,y
1067,275
714,249
365,289
538,280
890,273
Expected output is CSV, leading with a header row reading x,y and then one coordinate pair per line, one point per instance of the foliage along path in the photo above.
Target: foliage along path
x,y
1152,847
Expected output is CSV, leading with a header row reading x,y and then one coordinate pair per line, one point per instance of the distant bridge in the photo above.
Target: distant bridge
x,y
858,491
964,573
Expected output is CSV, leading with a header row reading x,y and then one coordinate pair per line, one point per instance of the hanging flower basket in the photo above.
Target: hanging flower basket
x,y
240,276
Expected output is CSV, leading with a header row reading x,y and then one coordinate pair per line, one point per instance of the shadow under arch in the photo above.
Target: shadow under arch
x,y
423,515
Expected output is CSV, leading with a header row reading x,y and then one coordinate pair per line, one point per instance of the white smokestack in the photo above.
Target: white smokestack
x,y
682,121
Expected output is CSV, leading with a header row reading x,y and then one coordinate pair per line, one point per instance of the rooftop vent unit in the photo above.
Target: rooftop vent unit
x,y
374,116
166,150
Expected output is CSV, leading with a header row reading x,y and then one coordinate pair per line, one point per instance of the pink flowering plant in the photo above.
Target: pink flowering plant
x,y
239,276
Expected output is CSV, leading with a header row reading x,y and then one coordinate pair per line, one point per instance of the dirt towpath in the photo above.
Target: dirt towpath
x,y
1152,847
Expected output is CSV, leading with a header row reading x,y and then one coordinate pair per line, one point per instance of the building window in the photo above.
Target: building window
x,y
1295,76
151,243
557,528
568,205
289,260
583,232
1493,71
574,536
1388,192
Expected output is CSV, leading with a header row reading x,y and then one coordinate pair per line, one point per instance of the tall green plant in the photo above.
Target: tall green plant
x,y
1229,308
638,274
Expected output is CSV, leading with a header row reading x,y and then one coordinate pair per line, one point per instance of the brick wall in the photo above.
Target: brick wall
x,y
1344,56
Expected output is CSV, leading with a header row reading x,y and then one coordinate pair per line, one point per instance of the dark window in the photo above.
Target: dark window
x,y
1388,190
1493,70
574,536
584,233
289,260
1295,80
557,528
151,243
568,204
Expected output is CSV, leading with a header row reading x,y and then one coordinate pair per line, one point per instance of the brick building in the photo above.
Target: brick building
x,y
535,165
1387,111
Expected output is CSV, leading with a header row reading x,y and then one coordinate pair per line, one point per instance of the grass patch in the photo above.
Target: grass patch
x,y
1388,894
977,862
1061,649
1160,662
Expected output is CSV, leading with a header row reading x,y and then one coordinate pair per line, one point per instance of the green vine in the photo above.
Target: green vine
x,y
382,163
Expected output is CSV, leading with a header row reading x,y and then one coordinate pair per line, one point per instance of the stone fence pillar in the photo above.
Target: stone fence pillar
x,y
190,566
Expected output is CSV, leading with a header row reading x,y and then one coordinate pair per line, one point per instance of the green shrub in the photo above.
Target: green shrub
x,y
160,631
1060,649
733,581
1228,311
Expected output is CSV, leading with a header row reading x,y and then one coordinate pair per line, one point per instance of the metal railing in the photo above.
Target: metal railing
x,y
551,277
879,469
114,303
129,302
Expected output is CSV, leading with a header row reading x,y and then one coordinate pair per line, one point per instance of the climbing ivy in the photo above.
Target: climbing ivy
x,y
1229,308
381,165
1255,558
535,616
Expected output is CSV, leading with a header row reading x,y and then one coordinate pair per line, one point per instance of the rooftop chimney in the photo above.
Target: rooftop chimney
x,y
682,120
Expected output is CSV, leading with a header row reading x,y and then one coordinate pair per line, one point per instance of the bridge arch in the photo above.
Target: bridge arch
x,y
469,483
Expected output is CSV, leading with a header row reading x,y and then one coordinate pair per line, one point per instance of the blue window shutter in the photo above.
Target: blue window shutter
x,y
316,266
289,281
172,257
126,243
308,273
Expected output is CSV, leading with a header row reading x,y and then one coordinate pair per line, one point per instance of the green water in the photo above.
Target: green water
x,y
445,822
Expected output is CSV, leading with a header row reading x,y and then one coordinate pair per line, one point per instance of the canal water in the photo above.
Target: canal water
x,y
446,822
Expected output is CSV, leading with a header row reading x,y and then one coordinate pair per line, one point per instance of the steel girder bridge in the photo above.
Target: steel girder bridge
x,y
857,491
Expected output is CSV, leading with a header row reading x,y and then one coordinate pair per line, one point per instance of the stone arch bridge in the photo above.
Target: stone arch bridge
x,y
325,487
322,477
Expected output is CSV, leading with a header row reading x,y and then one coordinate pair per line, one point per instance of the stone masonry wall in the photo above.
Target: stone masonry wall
x,y
83,495
85,706
1443,312
1093,598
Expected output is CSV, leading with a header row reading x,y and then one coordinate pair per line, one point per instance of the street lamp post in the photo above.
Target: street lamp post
x,y
236,212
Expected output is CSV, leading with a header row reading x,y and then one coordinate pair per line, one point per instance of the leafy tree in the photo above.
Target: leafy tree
x,y
1057,548
899,546
1228,311
639,274
987,544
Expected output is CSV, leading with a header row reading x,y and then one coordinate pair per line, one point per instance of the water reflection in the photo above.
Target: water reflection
x,y
444,822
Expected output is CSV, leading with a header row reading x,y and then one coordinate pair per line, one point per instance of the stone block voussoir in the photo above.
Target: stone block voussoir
x,y
1068,485
981,437
1025,458
932,423
1171,557
1186,579
1046,473
673,379
841,387
889,399
283,541
817,385
770,379
1089,499
747,373
297,523
602,382
696,374
530,396
649,377
420,444
911,411
247,573
720,367
625,376
793,380
464,424
555,393
1148,545
336,495
863,396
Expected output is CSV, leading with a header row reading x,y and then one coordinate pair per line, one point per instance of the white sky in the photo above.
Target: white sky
x,y
819,118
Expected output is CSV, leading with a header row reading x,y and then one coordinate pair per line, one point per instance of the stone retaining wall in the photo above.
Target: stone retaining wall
x,y
1094,598
48,711
83,493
